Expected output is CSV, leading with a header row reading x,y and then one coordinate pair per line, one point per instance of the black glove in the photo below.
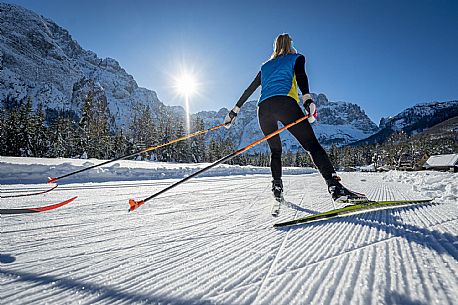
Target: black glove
x,y
230,117
310,107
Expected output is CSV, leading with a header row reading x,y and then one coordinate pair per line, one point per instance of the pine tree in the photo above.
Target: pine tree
x,y
226,147
11,146
288,158
83,138
334,155
213,153
25,128
39,134
62,138
163,131
101,130
197,146
94,136
180,149
298,159
121,145
145,132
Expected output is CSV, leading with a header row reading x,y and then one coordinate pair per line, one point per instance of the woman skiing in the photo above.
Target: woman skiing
x,y
279,78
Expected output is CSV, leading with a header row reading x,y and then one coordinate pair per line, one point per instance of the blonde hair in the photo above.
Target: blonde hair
x,y
283,46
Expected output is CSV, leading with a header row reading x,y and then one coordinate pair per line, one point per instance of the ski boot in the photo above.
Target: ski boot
x,y
341,194
277,190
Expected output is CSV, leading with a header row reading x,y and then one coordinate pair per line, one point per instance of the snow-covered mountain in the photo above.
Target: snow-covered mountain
x,y
39,59
414,120
338,122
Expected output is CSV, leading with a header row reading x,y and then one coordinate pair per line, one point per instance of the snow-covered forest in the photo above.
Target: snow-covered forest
x,y
53,133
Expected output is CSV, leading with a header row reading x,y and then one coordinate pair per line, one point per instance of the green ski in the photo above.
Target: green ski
x,y
370,205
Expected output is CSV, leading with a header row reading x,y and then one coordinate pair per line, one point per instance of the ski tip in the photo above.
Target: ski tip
x,y
135,204
71,199
53,206
52,180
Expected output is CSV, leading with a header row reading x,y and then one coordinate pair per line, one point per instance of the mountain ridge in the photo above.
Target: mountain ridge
x,y
413,120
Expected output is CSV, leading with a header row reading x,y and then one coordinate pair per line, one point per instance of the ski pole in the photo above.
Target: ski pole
x,y
31,194
135,204
51,180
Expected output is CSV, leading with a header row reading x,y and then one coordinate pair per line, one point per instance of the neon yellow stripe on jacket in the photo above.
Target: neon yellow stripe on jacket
x,y
293,91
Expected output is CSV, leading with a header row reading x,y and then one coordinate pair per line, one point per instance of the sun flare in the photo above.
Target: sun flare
x,y
186,85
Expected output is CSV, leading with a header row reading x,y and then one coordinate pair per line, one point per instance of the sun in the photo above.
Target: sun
x,y
186,84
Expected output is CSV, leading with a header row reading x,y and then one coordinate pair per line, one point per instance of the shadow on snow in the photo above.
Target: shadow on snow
x,y
441,242
299,208
7,259
99,292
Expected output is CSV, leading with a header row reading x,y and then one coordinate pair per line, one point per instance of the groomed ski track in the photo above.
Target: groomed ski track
x,y
211,241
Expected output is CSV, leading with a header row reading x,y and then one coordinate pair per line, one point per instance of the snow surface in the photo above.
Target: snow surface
x,y
443,187
211,241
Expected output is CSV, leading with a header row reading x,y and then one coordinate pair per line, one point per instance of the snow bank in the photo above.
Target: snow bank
x,y
36,170
440,186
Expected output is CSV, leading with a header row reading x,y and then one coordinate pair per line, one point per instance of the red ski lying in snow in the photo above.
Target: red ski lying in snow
x,y
36,210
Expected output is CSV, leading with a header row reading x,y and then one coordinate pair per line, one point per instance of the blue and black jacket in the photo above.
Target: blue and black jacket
x,y
279,76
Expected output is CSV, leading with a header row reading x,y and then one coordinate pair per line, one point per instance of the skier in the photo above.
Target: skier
x,y
279,78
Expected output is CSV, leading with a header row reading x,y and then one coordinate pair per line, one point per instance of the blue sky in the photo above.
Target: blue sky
x,y
383,55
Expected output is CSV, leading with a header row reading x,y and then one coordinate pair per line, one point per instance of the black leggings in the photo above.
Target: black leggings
x,y
286,110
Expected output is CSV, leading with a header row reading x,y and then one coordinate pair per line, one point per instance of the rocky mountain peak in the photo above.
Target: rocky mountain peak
x,y
40,59
414,120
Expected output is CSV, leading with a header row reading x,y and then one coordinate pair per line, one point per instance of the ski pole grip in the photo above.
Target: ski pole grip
x,y
135,204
